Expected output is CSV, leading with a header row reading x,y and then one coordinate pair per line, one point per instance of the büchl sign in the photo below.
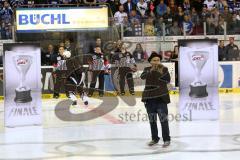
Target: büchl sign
x,y
61,19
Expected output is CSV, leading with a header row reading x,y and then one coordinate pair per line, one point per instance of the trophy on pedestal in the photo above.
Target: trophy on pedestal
x,y
23,92
198,59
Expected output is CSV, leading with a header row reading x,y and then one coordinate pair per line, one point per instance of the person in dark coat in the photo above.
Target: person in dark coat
x,y
232,50
129,6
156,97
221,51
138,53
50,57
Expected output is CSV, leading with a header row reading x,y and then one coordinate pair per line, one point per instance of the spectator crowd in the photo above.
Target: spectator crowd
x,y
171,17
160,17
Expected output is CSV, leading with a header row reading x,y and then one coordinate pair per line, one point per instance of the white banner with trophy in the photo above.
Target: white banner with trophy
x,y
198,83
22,84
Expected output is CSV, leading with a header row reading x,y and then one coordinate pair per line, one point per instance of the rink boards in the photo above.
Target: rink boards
x,y
229,79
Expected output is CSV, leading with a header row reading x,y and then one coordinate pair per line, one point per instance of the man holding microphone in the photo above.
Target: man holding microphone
x,y
156,97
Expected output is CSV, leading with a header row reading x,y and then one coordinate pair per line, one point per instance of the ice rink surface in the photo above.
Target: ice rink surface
x,y
122,134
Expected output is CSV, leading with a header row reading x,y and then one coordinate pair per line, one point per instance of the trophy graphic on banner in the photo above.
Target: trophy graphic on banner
x,y
198,59
22,64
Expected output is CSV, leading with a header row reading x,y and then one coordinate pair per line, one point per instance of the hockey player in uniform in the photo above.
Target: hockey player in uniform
x,y
98,66
126,64
75,84
60,70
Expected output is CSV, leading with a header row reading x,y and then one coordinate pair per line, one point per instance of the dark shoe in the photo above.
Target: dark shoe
x,y
86,103
166,144
153,142
122,93
132,93
90,95
74,103
84,99
68,95
56,95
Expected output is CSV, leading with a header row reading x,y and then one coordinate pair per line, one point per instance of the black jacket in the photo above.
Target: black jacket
x,y
156,85
221,53
126,9
136,55
232,52
74,77
49,58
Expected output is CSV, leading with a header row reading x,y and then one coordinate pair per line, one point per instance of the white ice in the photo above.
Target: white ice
x,y
115,136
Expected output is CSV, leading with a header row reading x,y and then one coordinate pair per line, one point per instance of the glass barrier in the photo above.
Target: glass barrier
x,y
134,24
156,27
